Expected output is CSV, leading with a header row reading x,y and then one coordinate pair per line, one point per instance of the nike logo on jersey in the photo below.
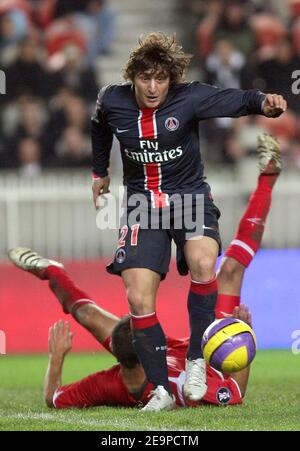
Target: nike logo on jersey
x,y
209,228
57,393
179,381
122,131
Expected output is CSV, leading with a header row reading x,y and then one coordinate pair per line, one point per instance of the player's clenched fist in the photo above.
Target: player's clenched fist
x,y
274,105
100,186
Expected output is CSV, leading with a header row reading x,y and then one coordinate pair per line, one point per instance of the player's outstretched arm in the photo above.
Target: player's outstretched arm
x,y
60,343
211,102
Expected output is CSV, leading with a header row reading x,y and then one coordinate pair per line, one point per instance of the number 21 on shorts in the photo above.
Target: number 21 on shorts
x,y
134,235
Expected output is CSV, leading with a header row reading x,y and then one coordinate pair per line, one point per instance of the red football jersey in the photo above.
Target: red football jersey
x,y
107,388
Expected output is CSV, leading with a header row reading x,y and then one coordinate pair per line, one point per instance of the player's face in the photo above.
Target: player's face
x,y
151,89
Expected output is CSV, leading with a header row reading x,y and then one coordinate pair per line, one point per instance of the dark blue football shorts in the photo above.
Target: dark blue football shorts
x,y
150,247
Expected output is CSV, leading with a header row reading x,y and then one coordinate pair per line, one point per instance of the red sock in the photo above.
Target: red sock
x,y
251,227
144,321
226,304
68,294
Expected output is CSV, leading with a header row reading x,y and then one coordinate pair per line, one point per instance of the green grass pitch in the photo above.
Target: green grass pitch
x,y
272,401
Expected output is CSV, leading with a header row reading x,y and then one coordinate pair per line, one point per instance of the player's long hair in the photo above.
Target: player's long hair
x,y
158,51
122,346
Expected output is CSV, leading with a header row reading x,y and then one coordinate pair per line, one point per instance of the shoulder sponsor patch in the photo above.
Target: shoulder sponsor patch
x,y
223,395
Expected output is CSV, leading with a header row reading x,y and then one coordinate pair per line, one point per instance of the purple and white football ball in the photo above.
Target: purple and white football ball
x,y
229,345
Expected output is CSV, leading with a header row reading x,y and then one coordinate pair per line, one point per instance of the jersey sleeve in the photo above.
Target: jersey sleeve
x,y
102,138
94,390
222,391
212,102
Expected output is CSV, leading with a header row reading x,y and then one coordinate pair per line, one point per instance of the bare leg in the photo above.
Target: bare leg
x,y
230,276
97,321
141,288
201,255
84,310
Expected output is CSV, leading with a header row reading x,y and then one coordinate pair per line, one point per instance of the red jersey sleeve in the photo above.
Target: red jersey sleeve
x,y
100,388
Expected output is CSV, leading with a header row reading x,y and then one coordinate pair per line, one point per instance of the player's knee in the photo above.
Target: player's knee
x,y
139,302
85,314
230,270
203,268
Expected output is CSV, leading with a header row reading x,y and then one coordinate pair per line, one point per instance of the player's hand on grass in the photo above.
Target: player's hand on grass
x,y
100,186
60,339
274,105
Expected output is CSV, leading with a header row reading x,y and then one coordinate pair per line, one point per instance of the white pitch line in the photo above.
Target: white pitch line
x,y
51,417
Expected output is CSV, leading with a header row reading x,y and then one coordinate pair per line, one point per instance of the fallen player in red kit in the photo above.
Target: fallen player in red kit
x,y
125,383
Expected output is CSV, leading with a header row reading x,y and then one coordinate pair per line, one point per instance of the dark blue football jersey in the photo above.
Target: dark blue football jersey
x,y
160,147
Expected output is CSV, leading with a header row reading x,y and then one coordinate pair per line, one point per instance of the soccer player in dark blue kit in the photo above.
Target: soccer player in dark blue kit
x,y
155,117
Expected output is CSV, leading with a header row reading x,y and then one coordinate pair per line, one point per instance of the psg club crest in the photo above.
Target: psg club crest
x,y
120,256
172,124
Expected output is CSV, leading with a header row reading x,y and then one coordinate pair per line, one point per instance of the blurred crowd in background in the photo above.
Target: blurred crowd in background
x,y
49,51
246,44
